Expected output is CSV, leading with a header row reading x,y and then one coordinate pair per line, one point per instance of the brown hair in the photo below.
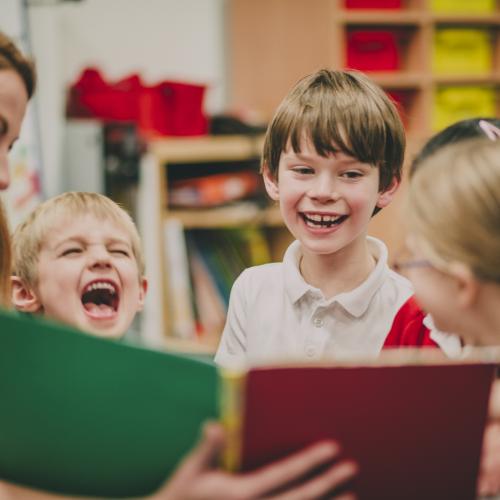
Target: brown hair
x,y
11,58
5,260
339,111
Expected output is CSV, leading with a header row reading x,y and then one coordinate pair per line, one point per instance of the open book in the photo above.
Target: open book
x,y
415,430
83,415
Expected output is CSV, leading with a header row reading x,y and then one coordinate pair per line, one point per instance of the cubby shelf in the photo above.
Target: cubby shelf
x,y
272,44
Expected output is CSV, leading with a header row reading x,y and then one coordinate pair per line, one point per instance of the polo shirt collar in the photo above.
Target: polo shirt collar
x,y
356,301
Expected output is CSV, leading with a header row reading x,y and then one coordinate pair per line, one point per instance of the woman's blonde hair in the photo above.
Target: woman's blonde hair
x,y
11,58
453,207
30,235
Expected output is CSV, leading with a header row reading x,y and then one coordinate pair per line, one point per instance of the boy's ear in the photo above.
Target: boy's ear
x,y
143,289
387,195
271,183
24,297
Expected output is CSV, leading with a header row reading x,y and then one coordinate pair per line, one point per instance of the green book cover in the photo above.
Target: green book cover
x,y
88,416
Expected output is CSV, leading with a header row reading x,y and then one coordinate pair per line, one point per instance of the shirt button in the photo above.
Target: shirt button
x,y
318,322
310,351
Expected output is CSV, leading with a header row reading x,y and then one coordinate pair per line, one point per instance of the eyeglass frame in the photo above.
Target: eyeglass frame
x,y
411,264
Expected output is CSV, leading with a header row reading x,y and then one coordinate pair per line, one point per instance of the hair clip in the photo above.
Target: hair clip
x,y
491,131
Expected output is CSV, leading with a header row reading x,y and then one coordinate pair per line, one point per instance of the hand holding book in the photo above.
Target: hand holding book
x,y
198,477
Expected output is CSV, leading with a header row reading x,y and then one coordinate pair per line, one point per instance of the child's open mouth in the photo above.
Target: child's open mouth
x,y
100,299
319,220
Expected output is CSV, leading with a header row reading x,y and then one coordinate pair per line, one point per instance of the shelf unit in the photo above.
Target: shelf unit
x,y
188,151
166,152
273,43
287,39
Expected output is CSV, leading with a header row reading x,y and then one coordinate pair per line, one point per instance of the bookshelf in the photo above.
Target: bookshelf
x,y
287,39
186,154
164,154
273,43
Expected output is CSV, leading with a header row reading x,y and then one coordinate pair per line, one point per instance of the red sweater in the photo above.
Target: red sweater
x,y
408,328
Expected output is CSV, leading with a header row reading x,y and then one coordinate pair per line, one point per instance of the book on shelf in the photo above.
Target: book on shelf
x,y
83,415
216,258
214,189
210,306
181,313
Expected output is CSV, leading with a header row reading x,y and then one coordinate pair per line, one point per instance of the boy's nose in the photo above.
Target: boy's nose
x,y
324,189
99,257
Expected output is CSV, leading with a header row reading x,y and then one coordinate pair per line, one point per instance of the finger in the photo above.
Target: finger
x,y
322,484
195,463
494,410
280,473
208,448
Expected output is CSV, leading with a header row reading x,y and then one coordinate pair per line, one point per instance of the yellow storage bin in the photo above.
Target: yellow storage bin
x,y
456,103
468,6
462,51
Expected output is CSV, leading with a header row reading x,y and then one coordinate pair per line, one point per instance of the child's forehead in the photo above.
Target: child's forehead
x,y
306,149
83,226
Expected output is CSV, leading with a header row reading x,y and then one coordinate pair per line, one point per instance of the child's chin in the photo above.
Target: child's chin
x,y
106,328
108,333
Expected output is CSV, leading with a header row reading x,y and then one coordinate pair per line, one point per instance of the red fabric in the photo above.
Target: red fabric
x,y
408,328
165,109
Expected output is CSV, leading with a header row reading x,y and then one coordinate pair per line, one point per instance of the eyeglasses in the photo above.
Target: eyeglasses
x,y
402,265
405,260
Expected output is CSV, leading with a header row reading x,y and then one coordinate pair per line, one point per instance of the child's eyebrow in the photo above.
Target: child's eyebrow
x,y
70,239
120,241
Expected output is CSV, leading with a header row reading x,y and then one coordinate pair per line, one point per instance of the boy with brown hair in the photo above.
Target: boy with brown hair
x,y
78,260
332,158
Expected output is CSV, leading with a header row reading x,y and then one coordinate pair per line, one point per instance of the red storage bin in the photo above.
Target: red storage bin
x,y
173,109
167,108
372,50
373,4
401,98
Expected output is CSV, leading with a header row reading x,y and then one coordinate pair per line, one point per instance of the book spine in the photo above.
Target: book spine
x,y
231,398
178,281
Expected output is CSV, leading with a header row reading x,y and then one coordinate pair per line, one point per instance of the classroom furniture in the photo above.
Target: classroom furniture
x,y
439,60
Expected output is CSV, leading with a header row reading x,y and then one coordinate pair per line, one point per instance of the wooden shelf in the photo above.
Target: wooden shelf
x,y
382,17
492,79
470,20
189,153
400,79
227,216
207,148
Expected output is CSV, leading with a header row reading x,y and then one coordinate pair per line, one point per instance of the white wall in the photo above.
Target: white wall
x,y
160,39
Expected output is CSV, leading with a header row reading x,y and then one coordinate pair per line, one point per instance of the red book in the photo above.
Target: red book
x,y
415,430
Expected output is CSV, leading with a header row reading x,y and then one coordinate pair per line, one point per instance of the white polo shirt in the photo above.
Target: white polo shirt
x,y
275,315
